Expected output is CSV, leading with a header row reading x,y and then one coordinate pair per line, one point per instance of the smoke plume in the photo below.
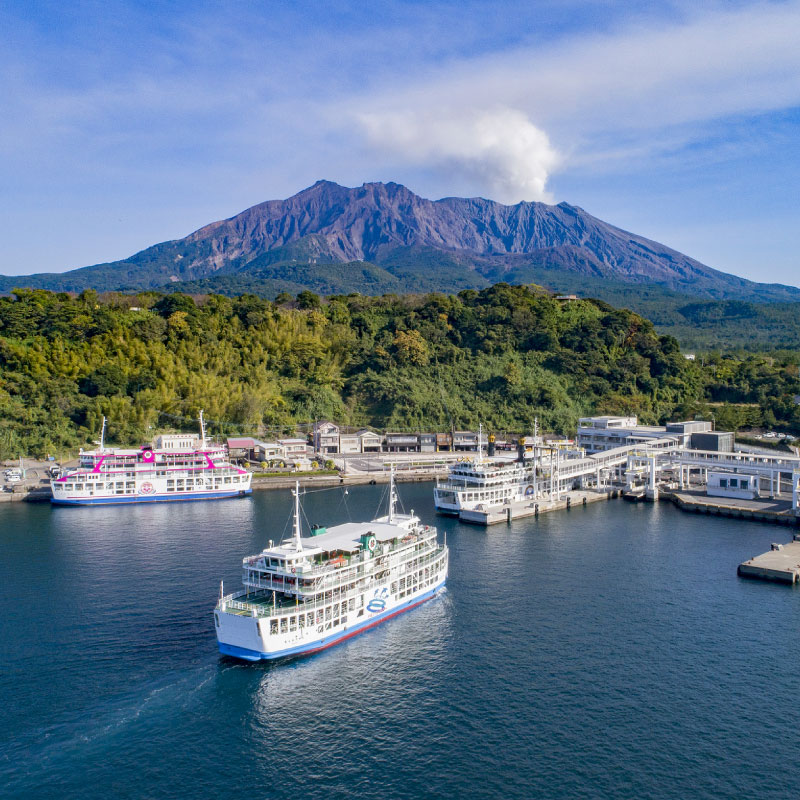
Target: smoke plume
x,y
497,150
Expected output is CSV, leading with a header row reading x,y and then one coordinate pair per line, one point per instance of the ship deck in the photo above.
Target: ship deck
x,y
261,601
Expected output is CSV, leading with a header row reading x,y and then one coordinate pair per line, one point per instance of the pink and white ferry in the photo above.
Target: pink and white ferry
x,y
175,467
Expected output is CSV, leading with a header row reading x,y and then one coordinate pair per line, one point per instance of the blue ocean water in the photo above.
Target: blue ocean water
x,y
608,651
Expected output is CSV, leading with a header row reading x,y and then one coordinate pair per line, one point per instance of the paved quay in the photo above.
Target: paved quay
x,y
764,509
532,508
781,564
287,481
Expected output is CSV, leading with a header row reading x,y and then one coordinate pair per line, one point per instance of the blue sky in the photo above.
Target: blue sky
x,y
129,123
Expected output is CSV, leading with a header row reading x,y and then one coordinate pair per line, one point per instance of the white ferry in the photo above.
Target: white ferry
x,y
311,592
176,467
474,485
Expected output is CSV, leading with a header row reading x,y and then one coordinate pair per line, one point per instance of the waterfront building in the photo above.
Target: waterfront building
x,y
598,434
444,442
427,443
402,443
243,447
326,438
465,440
371,442
730,484
349,443
716,441
293,448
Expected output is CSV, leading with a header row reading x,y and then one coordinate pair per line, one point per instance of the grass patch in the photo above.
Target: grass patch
x,y
295,474
772,445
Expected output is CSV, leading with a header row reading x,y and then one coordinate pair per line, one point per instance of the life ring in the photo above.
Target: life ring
x,y
371,544
293,570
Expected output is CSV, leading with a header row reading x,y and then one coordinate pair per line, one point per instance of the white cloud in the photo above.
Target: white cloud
x,y
498,148
645,87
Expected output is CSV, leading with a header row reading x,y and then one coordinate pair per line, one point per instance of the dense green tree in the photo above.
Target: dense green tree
x,y
502,356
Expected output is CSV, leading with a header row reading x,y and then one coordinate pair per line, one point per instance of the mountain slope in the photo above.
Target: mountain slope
x,y
444,244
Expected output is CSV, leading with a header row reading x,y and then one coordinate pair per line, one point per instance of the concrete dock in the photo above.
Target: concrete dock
x,y
776,510
781,564
494,515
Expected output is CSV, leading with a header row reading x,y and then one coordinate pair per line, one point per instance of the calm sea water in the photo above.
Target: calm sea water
x,y
609,651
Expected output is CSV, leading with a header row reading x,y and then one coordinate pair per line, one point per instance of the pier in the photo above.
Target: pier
x,y
780,564
775,510
508,512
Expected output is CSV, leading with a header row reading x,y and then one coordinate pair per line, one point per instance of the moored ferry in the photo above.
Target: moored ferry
x,y
311,592
472,485
176,467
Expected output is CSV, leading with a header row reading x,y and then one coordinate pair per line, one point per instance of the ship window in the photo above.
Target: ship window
x,y
292,623
68,486
273,627
216,619
284,625
227,480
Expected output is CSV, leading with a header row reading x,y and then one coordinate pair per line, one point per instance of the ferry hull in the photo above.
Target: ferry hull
x,y
447,512
153,498
328,641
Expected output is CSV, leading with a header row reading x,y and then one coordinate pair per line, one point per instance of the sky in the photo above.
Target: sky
x,y
125,124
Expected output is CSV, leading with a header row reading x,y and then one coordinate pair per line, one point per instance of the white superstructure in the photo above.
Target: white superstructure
x,y
311,592
471,485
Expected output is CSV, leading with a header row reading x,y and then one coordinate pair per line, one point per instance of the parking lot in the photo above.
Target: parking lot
x,y
30,474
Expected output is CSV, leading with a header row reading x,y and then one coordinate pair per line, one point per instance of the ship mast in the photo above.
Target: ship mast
x,y
480,443
202,431
298,542
102,435
392,496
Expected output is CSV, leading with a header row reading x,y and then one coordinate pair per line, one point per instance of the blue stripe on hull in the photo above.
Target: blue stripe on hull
x,y
329,641
155,498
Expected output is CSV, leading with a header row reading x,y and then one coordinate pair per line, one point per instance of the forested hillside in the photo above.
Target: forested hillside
x,y
696,322
501,356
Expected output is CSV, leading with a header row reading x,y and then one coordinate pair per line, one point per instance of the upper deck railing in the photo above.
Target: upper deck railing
x,y
311,599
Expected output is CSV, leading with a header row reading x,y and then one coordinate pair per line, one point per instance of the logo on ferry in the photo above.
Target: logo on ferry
x,y
147,488
148,456
378,602
528,491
